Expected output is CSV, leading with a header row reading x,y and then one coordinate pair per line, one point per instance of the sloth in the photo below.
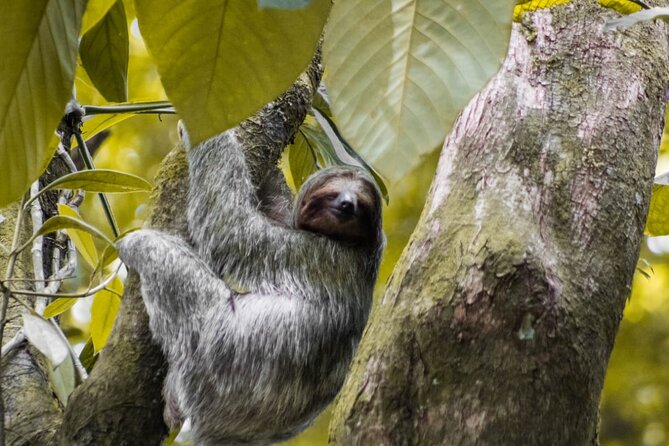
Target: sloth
x,y
260,312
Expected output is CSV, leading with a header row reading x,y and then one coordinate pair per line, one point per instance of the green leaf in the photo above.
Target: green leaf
x,y
625,22
66,222
83,241
169,441
95,11
109,254
301,159
103,313
38,57
658,214
62,379
398,73
319,143
220,61
104,54
88,357
101,180
45,338
59,306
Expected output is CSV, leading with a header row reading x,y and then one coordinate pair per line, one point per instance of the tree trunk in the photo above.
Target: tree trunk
x,y
497,325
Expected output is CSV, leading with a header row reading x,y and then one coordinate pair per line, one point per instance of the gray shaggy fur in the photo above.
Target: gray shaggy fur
x,y
258,321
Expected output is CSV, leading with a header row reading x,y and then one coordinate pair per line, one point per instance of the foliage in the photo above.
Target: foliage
x,y
399,77
37,73
104,54
222,45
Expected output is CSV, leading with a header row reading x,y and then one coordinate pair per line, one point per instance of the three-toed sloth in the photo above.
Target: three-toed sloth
x,y
260,314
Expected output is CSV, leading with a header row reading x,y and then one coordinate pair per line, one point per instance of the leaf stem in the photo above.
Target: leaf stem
x,y
88,161
164,106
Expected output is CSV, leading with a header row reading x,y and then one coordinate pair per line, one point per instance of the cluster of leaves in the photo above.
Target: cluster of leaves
x,y
397,79
44,334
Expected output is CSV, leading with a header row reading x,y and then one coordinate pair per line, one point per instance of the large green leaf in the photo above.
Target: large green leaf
x,y
37,60
399,72
222,60
104,54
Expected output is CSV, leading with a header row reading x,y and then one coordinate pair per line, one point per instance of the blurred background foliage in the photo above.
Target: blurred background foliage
x,y
635,404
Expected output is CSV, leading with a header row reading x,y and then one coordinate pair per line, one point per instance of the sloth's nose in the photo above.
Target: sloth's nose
x,y
346,206
346,203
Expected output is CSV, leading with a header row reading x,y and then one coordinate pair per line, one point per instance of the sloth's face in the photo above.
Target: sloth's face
x,y
342,206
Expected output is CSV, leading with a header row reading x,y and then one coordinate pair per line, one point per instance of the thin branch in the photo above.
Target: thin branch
x,y
130,108
26,280
66,272
37,251
67,159
89,292
78,198
86,156
18,339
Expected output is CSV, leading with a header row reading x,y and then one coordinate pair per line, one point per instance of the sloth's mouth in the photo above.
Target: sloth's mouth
x,y
342,214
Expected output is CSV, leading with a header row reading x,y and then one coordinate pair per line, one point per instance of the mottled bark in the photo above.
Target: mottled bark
x,y
121,402
32,412
498,323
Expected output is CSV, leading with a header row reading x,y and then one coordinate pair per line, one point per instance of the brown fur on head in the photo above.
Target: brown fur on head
x,y
341,203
